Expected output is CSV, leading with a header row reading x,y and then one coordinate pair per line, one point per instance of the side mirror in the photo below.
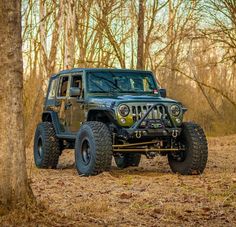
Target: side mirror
x,y
162,92
75,92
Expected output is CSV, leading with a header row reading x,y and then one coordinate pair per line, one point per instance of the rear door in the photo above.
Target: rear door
x,y
61,98
50,100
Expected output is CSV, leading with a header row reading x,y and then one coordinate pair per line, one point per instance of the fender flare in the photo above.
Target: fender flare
x,y
107,111
52,116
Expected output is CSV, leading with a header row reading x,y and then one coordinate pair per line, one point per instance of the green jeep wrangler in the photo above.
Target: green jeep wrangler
x,y
112,112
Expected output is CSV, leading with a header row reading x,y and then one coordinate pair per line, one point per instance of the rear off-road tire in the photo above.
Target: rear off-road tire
x,y
93,148
194,158
126,160
46,146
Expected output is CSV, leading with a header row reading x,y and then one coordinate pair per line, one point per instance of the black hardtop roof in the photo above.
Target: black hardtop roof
x,y
75,70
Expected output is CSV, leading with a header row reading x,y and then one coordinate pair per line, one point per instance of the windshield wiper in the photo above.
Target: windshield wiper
x,y
110,82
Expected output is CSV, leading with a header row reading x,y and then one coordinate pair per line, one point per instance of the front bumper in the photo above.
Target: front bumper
x,y
146,127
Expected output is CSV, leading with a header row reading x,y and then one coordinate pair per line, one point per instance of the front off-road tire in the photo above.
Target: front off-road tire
x,y
193,160
46,146
126,160
93,148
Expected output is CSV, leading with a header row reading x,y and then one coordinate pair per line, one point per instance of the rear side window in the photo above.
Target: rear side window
x,y
52,89
76,82
63,86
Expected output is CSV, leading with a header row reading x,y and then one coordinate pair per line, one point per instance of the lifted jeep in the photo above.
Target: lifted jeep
x,y
112,112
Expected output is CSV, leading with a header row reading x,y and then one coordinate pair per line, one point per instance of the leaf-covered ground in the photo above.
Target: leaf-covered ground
x,y
150,195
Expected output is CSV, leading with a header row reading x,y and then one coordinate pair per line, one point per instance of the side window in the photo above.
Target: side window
x,y
76,82
63,86
52,91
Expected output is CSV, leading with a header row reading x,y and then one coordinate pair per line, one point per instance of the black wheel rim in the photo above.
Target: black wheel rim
x,y
40,146
85,152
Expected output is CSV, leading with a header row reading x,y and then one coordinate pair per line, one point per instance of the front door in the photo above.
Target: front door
x,y
74,106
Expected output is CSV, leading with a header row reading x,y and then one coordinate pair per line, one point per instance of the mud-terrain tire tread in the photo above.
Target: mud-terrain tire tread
x,y
51,147
103,143
203,147
197,149
129,159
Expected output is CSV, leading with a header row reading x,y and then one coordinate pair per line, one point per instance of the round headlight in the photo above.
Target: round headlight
x,y
123,110
175,110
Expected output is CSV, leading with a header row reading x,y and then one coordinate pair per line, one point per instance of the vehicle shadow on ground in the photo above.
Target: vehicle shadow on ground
x,y
116,172
66,166
140,171
150,167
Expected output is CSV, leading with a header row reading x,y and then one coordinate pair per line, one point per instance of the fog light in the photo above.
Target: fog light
x,y
123,121
165,133
145,133
178,120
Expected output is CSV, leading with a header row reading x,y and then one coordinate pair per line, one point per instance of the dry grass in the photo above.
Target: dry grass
x,y
149,195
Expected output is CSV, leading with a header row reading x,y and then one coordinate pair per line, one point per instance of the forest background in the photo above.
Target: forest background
x,y
190,46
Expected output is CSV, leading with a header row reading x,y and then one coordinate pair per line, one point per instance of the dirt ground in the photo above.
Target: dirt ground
x,y
148,195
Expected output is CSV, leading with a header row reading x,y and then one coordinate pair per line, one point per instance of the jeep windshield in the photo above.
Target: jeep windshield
x,y
120,82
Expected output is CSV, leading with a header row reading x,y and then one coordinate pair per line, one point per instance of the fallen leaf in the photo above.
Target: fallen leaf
x,y
206,209
126,195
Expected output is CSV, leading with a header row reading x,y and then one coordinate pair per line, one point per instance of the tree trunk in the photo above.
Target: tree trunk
x,y
55,38
140,62
14,187
171,53
44,68
70,34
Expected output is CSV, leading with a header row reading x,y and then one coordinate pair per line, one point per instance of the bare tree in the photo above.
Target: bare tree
x,y
222,15
140,53
14,187
63,34
69,34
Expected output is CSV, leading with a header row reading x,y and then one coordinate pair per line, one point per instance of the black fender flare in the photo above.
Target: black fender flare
x,y
106,111
52,116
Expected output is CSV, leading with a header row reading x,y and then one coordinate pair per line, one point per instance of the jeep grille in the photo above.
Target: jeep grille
x,y
138,111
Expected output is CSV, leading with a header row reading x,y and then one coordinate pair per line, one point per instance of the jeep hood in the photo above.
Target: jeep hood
x,y
116,100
